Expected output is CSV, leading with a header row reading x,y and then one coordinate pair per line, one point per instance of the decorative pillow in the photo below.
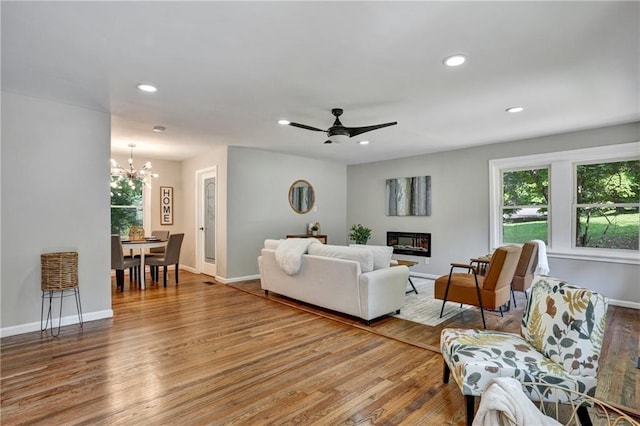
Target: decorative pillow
x,y
361,255
272,244
381,255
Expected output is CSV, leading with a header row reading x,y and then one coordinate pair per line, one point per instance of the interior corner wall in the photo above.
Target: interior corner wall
x,y
55,197
459,220
258,204
216,157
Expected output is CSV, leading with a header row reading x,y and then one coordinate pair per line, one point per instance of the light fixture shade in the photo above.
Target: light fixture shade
x,y
338,138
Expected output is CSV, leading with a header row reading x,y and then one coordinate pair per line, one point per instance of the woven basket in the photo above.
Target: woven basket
x,y
59,271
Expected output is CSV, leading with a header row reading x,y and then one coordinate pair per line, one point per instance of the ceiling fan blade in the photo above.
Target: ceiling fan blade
x,y
304,126
354,131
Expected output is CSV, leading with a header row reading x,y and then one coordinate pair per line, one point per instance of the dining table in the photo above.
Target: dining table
x,y
143,245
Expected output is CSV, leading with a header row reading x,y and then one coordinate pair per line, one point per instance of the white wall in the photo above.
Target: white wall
x,y
55,197
459,221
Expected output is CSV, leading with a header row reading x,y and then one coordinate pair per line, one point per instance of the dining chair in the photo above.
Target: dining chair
x,y
161,235
120,262
491,291
170,257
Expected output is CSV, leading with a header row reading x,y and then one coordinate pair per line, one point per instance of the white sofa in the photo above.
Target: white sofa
x,y
339,278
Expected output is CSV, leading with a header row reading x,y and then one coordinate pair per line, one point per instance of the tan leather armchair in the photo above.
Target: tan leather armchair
x,y
523,276
490,291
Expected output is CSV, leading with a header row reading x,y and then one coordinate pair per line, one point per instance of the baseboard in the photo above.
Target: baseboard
x,y
237,279
66,320
624,303
189,269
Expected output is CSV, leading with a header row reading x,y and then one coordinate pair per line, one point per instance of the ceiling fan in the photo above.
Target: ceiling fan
x,y
338,132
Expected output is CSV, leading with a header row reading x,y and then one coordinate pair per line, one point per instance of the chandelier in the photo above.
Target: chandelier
x,y
130,175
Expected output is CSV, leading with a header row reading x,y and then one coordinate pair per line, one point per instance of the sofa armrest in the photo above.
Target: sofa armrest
x,y
382,291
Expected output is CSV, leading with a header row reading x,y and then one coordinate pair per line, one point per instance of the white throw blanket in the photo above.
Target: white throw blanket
x,y
505,403
289,253
543,264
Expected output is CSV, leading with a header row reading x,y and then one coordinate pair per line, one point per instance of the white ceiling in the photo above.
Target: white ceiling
x,y
227,71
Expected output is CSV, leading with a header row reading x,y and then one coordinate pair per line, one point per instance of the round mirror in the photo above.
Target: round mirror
x,y
301,196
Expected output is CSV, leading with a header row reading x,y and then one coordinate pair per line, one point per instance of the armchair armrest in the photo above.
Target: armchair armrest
x,y
463,266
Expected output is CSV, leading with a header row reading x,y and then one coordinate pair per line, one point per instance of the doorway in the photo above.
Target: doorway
x,y
206,213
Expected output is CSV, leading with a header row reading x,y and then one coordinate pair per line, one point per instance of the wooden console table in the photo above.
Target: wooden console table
x,y
322,238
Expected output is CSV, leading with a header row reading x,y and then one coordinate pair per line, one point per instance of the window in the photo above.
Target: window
x,y
525,203
585,203
126,207
606,208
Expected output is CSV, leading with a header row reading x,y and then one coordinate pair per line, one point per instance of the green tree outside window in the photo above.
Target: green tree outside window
x,y
126,206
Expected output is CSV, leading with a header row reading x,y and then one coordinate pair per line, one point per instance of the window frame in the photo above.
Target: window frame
x,y
562,199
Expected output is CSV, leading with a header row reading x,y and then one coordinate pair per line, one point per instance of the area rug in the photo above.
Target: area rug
x,y
423,308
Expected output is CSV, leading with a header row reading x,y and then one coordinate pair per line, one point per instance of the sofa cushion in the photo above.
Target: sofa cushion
x,y
361,255
381,255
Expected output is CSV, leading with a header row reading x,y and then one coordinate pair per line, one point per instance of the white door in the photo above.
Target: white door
x,y
206,221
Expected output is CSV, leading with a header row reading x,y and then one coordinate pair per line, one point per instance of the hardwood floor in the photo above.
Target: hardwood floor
x,y
205,353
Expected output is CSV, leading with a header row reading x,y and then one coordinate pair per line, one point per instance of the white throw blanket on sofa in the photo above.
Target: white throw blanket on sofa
x,y
289,253
504,403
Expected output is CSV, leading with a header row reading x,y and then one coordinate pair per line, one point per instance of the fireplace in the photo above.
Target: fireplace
x,y
413,243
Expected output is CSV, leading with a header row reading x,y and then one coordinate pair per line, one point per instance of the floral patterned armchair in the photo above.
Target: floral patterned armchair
x,y
562,331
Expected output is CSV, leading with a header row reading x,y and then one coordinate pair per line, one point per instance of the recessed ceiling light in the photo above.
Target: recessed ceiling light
x,y
283,122
364,142
515,109
454,60
146,87
159,129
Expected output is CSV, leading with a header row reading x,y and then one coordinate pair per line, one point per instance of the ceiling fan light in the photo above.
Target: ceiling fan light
x,y
363,143
284,122
515,109
338,138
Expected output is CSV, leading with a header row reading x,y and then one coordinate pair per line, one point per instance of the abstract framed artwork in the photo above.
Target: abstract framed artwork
x,y
408,196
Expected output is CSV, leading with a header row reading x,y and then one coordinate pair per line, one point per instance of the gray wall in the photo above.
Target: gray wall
x,y
55,197
253,187
258,205
459,221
